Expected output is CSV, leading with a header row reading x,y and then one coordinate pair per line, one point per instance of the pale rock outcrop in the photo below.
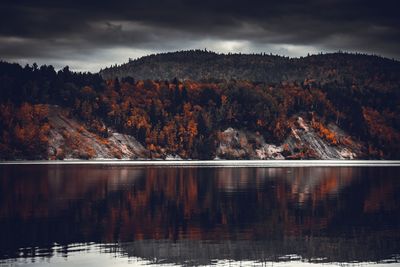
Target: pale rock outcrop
x,y
303,142
69,139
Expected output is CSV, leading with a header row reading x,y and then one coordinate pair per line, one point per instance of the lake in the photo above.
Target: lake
x,y
121,214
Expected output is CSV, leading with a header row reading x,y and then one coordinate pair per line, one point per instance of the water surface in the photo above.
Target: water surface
x,y
101,215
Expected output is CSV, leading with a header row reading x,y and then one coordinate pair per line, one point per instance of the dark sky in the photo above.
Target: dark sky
x,y
88,35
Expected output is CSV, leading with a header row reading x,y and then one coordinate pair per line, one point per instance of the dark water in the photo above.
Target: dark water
x,y
101,215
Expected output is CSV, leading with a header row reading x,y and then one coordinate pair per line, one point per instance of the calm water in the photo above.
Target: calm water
x,y
102,215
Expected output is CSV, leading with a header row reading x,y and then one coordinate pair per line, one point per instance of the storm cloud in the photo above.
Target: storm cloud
x,y
89,35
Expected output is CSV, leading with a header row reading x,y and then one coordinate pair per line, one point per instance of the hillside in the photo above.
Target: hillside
x,y
198,65
333,106
70,139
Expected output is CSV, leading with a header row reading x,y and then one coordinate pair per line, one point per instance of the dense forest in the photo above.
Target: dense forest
x,y
185,116
199,65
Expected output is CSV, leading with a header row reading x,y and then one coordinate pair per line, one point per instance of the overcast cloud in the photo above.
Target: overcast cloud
x,y
89,35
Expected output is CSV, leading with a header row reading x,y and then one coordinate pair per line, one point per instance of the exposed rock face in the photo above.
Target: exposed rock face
x,y
268,151
305,139
172,157
69,139
235,144
304,142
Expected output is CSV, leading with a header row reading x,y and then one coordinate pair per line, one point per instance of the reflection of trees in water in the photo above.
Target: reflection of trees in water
x,y
45,204
46,191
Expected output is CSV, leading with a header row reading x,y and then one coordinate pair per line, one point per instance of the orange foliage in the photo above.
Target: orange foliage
x,y
324,132
383,135
26,129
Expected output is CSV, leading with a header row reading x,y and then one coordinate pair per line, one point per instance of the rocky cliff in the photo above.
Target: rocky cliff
x,y
70,139
303,142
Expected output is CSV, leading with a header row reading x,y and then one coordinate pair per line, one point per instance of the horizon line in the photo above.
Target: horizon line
x,y
205,50
214,163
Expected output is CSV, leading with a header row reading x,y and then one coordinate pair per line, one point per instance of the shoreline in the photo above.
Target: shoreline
x,y
216,163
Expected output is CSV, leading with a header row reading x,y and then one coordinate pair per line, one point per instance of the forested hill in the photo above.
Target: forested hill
x,y
341,106
199,65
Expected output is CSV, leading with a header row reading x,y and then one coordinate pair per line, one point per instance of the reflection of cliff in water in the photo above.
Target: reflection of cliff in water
x,y
346,213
